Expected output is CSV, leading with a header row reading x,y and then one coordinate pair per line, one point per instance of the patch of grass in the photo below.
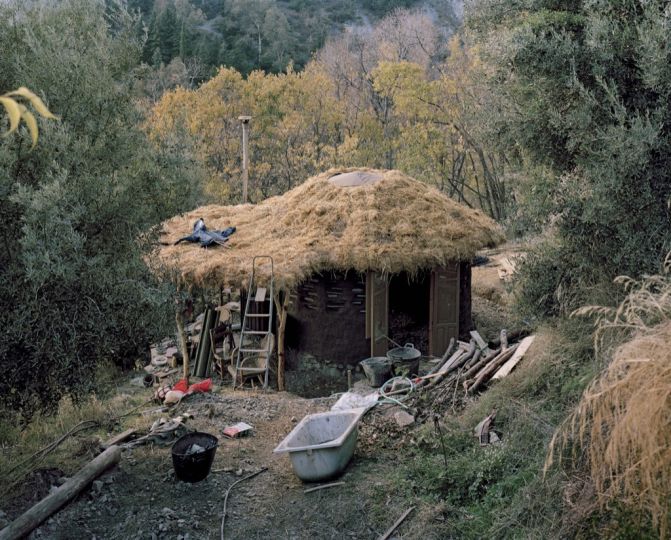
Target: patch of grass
x,y
19,443
499,491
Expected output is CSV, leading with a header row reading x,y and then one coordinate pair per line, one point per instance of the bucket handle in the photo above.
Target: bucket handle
x,y
409,346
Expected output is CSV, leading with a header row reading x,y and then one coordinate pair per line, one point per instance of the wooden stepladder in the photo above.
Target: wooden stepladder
x,y
256,346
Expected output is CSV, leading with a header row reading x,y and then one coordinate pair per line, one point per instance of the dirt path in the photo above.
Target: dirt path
x,y
141,498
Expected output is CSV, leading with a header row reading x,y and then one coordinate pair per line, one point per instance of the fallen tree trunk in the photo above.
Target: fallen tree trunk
x,y
48,506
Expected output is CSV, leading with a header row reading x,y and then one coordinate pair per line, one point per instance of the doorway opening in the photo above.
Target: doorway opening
x,y
409,298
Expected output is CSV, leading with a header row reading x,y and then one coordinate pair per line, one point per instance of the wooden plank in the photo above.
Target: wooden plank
x,y
449,365
121,437
443,307
33,517
379,314
506,368
478,339
260,294
451,360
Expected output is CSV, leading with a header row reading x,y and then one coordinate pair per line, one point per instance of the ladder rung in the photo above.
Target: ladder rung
x,y
255,332
253,350
257,314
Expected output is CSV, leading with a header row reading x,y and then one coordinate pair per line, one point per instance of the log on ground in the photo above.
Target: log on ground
x,y
33,517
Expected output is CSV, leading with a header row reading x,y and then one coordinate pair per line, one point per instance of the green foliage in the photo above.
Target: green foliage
x,y
74,212
582,89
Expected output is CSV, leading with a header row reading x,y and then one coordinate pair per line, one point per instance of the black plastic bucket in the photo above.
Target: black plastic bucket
x,y
404,360
194,467
377,370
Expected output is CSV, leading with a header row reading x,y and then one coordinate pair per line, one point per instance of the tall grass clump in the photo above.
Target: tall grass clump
x,y
623,421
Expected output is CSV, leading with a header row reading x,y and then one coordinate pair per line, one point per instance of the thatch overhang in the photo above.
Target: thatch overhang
x,y
383,221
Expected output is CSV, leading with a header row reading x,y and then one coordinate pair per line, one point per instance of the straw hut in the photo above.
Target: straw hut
x,y
350,248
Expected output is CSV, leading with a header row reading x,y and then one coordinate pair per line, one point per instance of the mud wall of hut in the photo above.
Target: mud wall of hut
x,y
327,318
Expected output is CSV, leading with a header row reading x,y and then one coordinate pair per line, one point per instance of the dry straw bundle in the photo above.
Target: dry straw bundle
x,y
390,223
624,417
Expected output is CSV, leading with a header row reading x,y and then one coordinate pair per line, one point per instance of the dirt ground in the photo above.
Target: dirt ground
x,y
142,499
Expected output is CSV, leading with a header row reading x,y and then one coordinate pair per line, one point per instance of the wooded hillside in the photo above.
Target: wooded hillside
x,y
260,34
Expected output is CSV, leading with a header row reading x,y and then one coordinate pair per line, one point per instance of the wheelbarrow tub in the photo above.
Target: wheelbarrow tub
x,y
322,444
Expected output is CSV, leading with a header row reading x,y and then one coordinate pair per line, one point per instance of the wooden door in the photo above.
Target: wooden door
x,y
377,301
444,308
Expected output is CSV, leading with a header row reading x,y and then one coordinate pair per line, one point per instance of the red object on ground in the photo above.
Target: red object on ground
x,y
202,386
181,385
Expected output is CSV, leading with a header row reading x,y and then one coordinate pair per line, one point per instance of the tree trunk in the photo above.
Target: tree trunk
x,y
33,517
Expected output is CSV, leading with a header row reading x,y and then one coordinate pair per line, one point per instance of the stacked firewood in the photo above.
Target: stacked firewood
x,y
466,368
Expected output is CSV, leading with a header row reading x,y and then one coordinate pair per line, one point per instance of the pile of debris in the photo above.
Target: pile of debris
x,y
466,368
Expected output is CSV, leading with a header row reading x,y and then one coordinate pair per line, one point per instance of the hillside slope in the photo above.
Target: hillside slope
x,y
262,34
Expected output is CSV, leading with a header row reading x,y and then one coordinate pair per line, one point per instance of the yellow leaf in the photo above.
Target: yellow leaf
x,y
35,101
14,112
30,121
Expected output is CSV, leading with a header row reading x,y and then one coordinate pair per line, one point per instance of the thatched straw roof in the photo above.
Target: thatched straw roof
x,y
385,222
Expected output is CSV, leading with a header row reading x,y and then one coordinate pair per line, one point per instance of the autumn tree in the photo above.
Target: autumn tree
x,y
438,138
378,98
295,128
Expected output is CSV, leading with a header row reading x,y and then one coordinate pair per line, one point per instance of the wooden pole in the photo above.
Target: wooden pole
x,y
282,312
33,517
477,366
323,486
395,526
182,343
245,155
